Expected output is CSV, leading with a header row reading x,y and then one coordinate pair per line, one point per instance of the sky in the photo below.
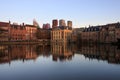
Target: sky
x,y
81,12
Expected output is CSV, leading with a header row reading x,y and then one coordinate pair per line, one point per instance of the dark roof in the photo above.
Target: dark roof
x,y
28,25
112,24
92,28
14,25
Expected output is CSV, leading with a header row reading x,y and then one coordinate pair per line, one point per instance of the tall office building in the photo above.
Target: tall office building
x,y
62,23
54,23
43,26
69,24
35,23
46,26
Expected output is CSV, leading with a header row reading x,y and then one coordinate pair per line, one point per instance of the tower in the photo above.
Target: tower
x,y
69,24
62,23
54,23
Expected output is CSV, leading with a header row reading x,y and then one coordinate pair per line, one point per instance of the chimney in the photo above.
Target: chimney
x,y
9,22
23,24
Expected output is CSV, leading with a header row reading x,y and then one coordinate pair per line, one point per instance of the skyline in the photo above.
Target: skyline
x,y
81,12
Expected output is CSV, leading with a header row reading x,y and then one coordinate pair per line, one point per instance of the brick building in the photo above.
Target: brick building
x,y
17,32
31,32
90,34
43,34
110,32
104,34
117,31
4,31
46,26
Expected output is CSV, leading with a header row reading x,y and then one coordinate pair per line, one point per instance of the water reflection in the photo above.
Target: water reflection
x,y
59,52
9,53
109,53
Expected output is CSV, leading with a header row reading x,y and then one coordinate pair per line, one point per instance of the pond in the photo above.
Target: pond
x,y
59,62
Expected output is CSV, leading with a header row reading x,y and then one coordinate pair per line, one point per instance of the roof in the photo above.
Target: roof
x,y
93,28
28,25
112,24
4,23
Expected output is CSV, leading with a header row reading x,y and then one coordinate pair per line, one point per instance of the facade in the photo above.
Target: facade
x,y
76,35
43,34
22,32
31,32
110,33
17,32
117,32
104,34
4,31
61,35
90,34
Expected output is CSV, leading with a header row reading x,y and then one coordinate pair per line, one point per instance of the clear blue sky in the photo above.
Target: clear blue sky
x,y
81,12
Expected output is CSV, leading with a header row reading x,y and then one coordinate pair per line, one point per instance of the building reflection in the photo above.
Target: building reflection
x,y
4,55
24,52
108,53
59,52
9,53
43,50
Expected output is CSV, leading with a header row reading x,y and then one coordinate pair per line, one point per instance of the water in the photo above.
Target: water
x,y
59,62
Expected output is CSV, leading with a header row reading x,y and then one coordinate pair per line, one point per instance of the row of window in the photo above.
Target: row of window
x,y
60,33
17,39
18,35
